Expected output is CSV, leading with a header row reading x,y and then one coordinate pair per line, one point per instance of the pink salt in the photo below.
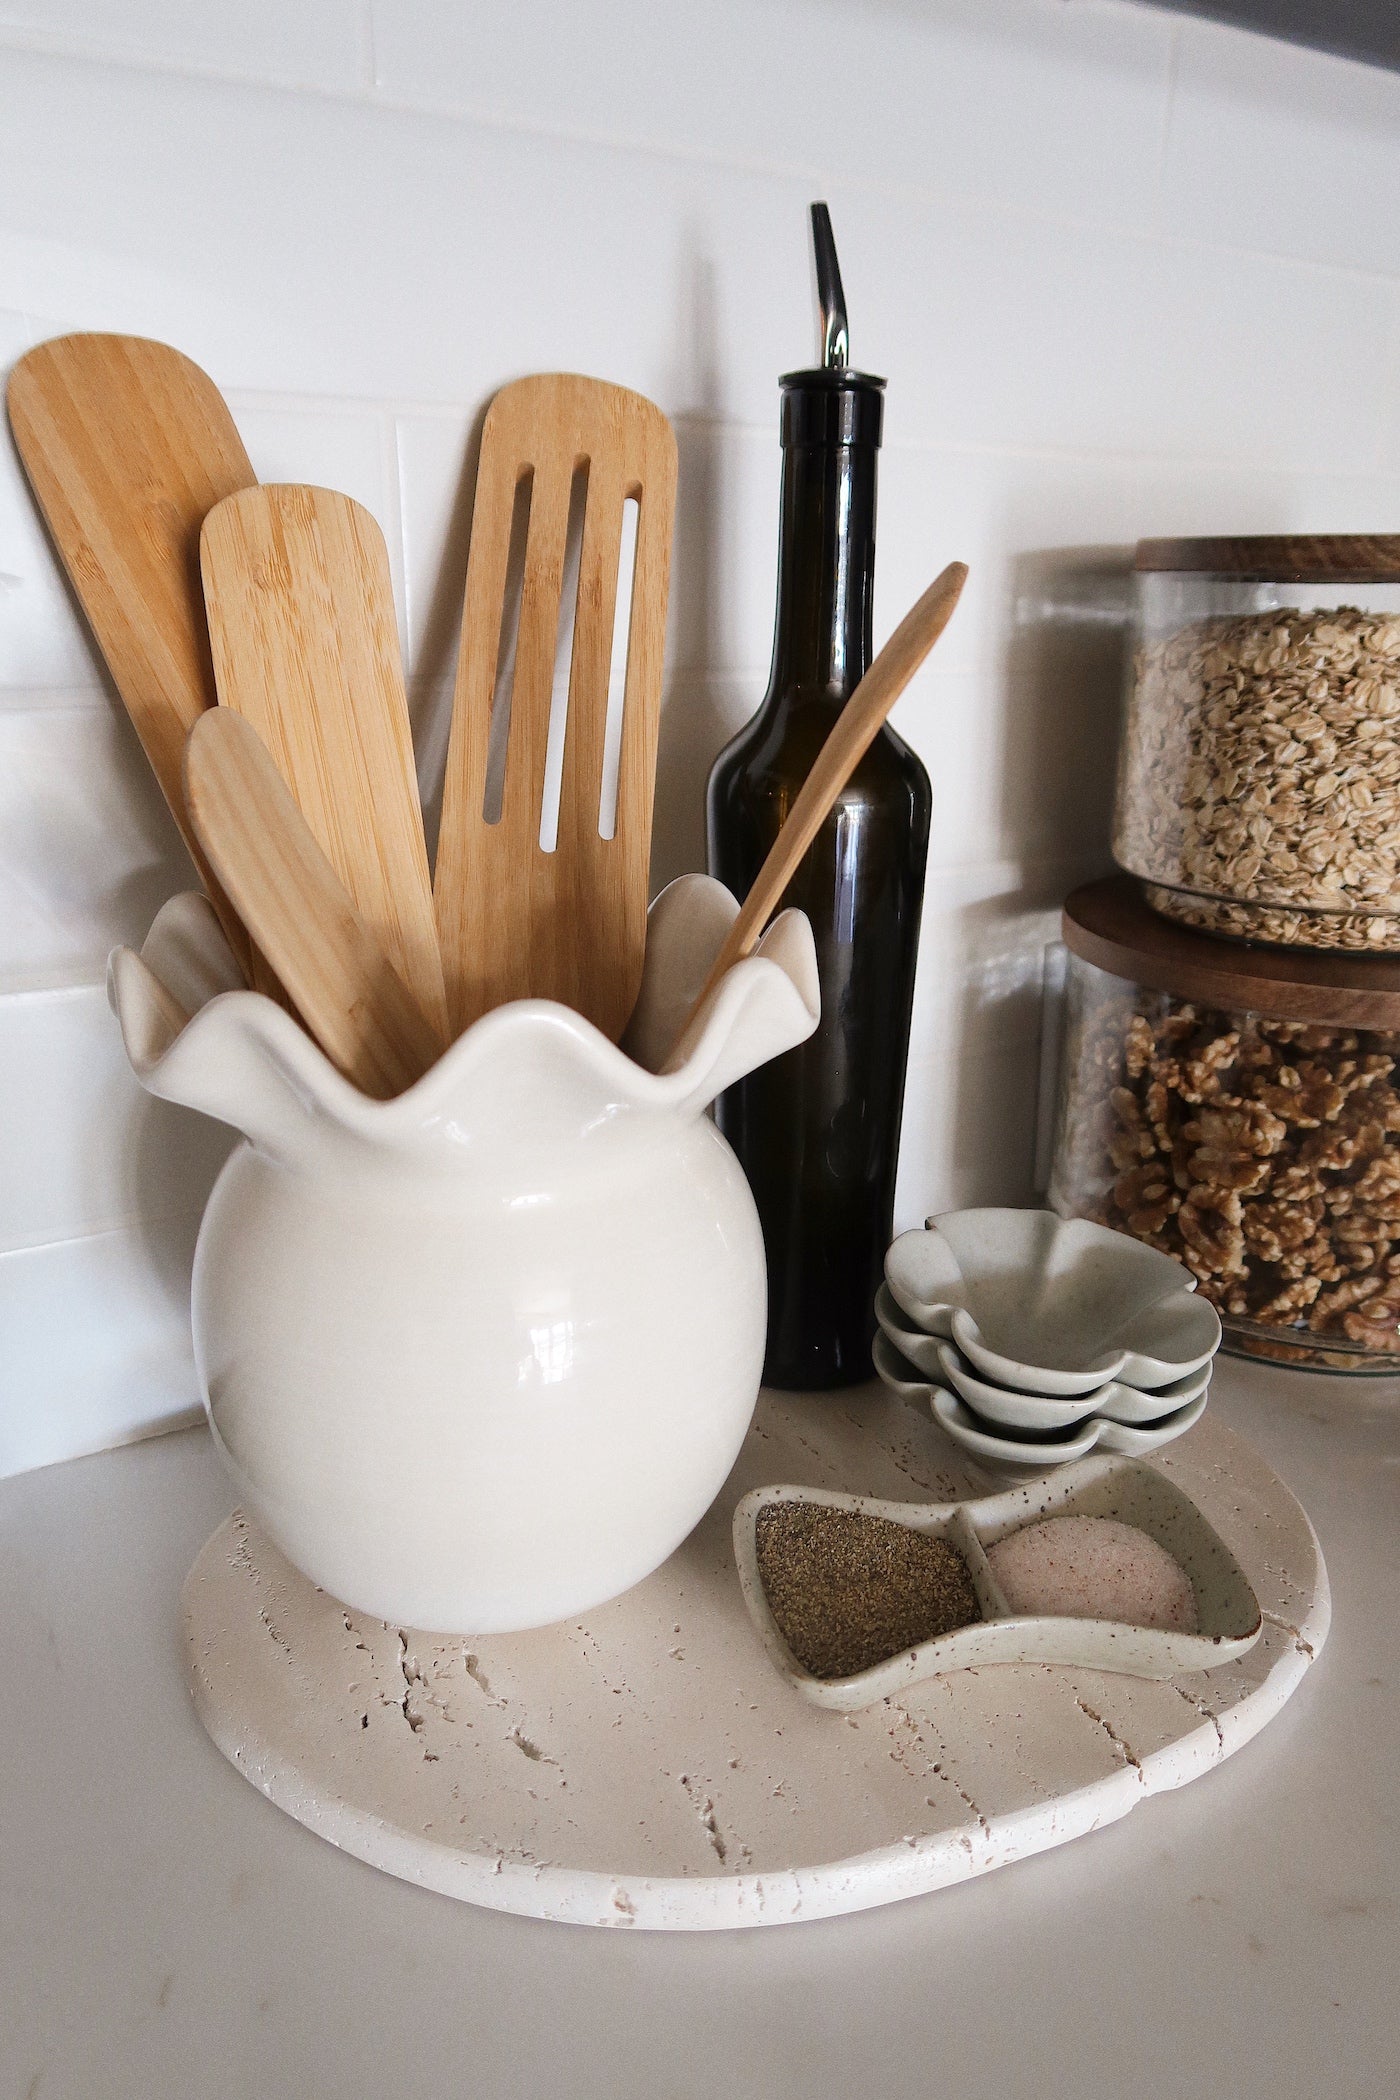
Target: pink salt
x,y
1093,1568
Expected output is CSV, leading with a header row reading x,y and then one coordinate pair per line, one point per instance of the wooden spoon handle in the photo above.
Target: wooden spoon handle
x,y
856,728
298,910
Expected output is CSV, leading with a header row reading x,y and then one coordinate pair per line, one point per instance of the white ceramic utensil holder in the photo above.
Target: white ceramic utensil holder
x,y
481,1356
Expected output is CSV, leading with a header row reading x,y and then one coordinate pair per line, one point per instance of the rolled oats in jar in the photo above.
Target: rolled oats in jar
x,y
1259,774
1241,1112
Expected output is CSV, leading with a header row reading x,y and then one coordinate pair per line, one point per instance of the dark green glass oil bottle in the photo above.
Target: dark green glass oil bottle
x,y
817,1131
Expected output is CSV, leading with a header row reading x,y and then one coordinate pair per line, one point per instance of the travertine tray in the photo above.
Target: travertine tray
x,y
647,1767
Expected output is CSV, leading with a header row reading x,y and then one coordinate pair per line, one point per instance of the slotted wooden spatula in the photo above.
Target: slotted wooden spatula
x,y
127,445
516,921
299,912
306,648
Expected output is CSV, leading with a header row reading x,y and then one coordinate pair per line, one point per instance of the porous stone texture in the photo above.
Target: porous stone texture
x,y
646,1767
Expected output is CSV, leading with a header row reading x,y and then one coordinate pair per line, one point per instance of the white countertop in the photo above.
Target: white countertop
x,y
164,1931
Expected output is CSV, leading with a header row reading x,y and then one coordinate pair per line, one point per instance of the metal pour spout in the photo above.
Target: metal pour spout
x,y
836,339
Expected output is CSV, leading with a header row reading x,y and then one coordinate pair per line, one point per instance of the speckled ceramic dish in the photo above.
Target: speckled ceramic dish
x,y
1226,1606
1021,1450
1117,1403
1051,1305
943,1362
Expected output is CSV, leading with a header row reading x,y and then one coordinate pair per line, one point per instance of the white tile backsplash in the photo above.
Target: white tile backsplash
x,y
95,1343
305,43
1126,275
436,460
43,639
1287,151
416,258
88,850
959,98
91,1149
343,446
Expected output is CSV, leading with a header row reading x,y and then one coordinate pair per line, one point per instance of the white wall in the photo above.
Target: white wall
x,y
1125,275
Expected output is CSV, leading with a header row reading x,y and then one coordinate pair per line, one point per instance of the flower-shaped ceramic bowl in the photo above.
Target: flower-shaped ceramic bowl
x,y
1051,1305
1020,1450
1228,1616
944,1363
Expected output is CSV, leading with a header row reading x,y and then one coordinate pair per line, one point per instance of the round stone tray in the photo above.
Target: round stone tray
x,y
646,1766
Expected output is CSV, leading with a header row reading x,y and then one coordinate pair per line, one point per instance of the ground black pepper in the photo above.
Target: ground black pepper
x,y
849,1590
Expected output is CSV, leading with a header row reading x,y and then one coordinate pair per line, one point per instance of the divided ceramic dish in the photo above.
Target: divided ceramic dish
x,y
1023,1449
1227,1608
1052,1306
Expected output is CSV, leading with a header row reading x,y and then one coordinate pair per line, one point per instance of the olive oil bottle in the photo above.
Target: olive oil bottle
x,y
817,1130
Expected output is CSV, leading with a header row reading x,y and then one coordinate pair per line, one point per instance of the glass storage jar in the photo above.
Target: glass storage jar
x,y
1238,1108
1259,771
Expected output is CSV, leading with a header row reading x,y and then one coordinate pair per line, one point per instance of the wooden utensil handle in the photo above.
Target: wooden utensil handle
x,y
299,911
856,728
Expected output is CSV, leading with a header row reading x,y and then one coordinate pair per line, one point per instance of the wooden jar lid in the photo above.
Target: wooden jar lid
x,y
1108,924
1333,557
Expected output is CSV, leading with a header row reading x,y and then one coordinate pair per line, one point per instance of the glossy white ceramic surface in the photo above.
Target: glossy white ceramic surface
x,y
481,1356
1052,1305
1228,1614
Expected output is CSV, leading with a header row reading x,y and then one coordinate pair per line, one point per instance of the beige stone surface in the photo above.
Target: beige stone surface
x,y
645,1766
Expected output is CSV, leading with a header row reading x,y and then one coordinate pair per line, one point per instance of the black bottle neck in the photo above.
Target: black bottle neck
x,y
826,547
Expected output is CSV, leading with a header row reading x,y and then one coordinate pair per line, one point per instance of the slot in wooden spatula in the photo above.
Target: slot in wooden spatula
x,y
298,910
127,446
306,648
517,921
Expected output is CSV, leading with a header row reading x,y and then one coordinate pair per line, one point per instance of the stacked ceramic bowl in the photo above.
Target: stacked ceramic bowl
x,y
1035,1339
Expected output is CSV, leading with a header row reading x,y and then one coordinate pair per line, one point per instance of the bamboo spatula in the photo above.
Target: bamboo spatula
x,y
299,912
306,648
127,445
516,921
855,730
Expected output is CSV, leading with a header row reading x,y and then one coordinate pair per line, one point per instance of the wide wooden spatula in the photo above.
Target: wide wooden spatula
x,y
517,920
306,648
299,912
127,446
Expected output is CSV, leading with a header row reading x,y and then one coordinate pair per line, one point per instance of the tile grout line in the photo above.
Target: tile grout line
x,y
53,44
402,407
783,172
130,1222
1168,119
394,526
58,44
369,59
77,988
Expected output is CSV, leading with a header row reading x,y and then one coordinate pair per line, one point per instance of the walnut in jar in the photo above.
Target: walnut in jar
x,y
1264,1154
